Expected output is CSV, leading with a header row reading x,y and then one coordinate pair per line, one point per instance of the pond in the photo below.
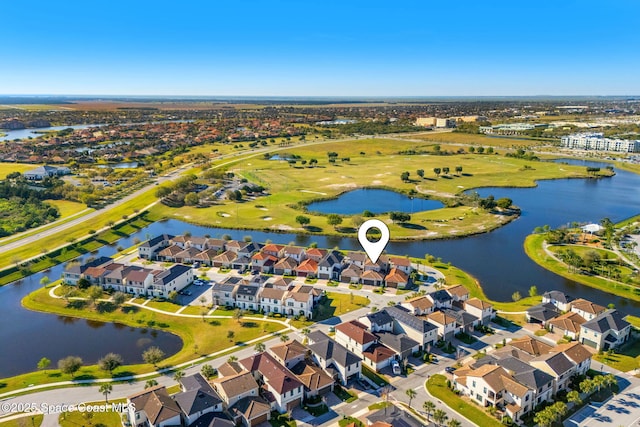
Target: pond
x,y
496,259
374,200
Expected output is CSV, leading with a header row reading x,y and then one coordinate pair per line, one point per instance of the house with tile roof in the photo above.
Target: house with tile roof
x,y
169,253
483,310
446,324
372,278
567,324
401,263
153,407
271,300
608,330
232,388
263,262
251,411
558,365
577,353
285,266
225,259
307,268
531,346
351,274
315,380
418,306
289,353
586,309
278,381
316,254
296,252
397,279
148,248
206,257
354,336
458,293
187,255
378,356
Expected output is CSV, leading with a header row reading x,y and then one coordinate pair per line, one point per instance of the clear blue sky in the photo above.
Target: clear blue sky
x,y
332,48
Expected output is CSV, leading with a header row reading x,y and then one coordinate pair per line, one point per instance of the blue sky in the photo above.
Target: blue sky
x,y
316,48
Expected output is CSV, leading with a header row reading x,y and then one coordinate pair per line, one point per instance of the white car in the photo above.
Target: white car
x,y
396,367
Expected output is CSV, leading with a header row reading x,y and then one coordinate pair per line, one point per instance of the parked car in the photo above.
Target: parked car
x,y
396,367
449,369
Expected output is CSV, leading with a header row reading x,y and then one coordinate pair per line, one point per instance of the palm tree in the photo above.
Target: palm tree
x,y
106,389
150,383
439,416
178,375
429,407
454,423
284,337
259,348
411,393
574,397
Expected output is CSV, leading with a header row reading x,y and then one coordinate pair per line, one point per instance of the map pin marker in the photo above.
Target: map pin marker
x,y
373,249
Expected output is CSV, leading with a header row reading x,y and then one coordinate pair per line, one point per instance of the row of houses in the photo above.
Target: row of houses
x,y
521,375
582,320
288,260
248,390
140,281
395,333
267,295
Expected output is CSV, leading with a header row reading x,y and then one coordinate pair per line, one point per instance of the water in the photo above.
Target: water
x,y
496,259
374,200
34,133
125,165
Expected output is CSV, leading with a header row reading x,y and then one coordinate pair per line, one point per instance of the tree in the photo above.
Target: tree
x,y
411,393
259,348
70,365
458,170
504,203
43,364
191,199
590,258
303,220
45,281
178,375
472,149
429,407
399,217
237,314
533,291
94,293
516,296
173,296
230,335
587,386
404,176
150,383
110,362
543,418
454,423
439,416
284,337
106,389
232,359
118,298
437,171
153,355
445,170
420,173
334,220
574,397
208,371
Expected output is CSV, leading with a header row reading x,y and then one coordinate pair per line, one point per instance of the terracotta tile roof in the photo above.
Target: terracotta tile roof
x,y
441,318
271,247
170,251
251,407
531,346
308,266
289,350
316,253
587,306
378,353
272,293
229,369
357,331
570,321
478,303
227,256
286,263
402,262
313,377
281,379
206,255
421,302
574,351
396,276
372,275
457,290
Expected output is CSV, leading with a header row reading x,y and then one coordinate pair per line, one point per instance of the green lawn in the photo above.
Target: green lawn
x,y
291,187
68,208
74,419
206,334
376,378
437,386
476,140
533,246
335,304
7,168
625,359
29,421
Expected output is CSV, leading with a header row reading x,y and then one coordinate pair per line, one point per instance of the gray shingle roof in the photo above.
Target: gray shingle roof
x,y
609,320
462,317
397,342
558,362
543,312
558,296
329,349
380,318
154,241
172,273
441,296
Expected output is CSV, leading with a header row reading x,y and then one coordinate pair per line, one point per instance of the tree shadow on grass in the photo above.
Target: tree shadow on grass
x,y
84,377
122,374
346,229
130,309
467,174
249,325
105,307
214,322
77,304
313,229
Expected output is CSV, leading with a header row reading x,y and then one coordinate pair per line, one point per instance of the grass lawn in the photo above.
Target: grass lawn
x,y
165,306
345,421
533,246
289,187
68,208
476,140
197,310
74,419
625,359
437,386
30,421
335,304
376,378
344,395
378,406
7,168
191,330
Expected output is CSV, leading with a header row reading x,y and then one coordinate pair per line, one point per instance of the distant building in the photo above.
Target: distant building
x,y
596,141
511,128
435,121
42,172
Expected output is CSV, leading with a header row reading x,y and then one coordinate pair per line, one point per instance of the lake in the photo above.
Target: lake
x,y
496,259
35,132
374,200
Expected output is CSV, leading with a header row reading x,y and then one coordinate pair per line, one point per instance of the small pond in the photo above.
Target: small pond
x,y
374,200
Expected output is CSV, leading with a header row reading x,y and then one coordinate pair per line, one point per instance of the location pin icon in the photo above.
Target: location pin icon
x,y
373,249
